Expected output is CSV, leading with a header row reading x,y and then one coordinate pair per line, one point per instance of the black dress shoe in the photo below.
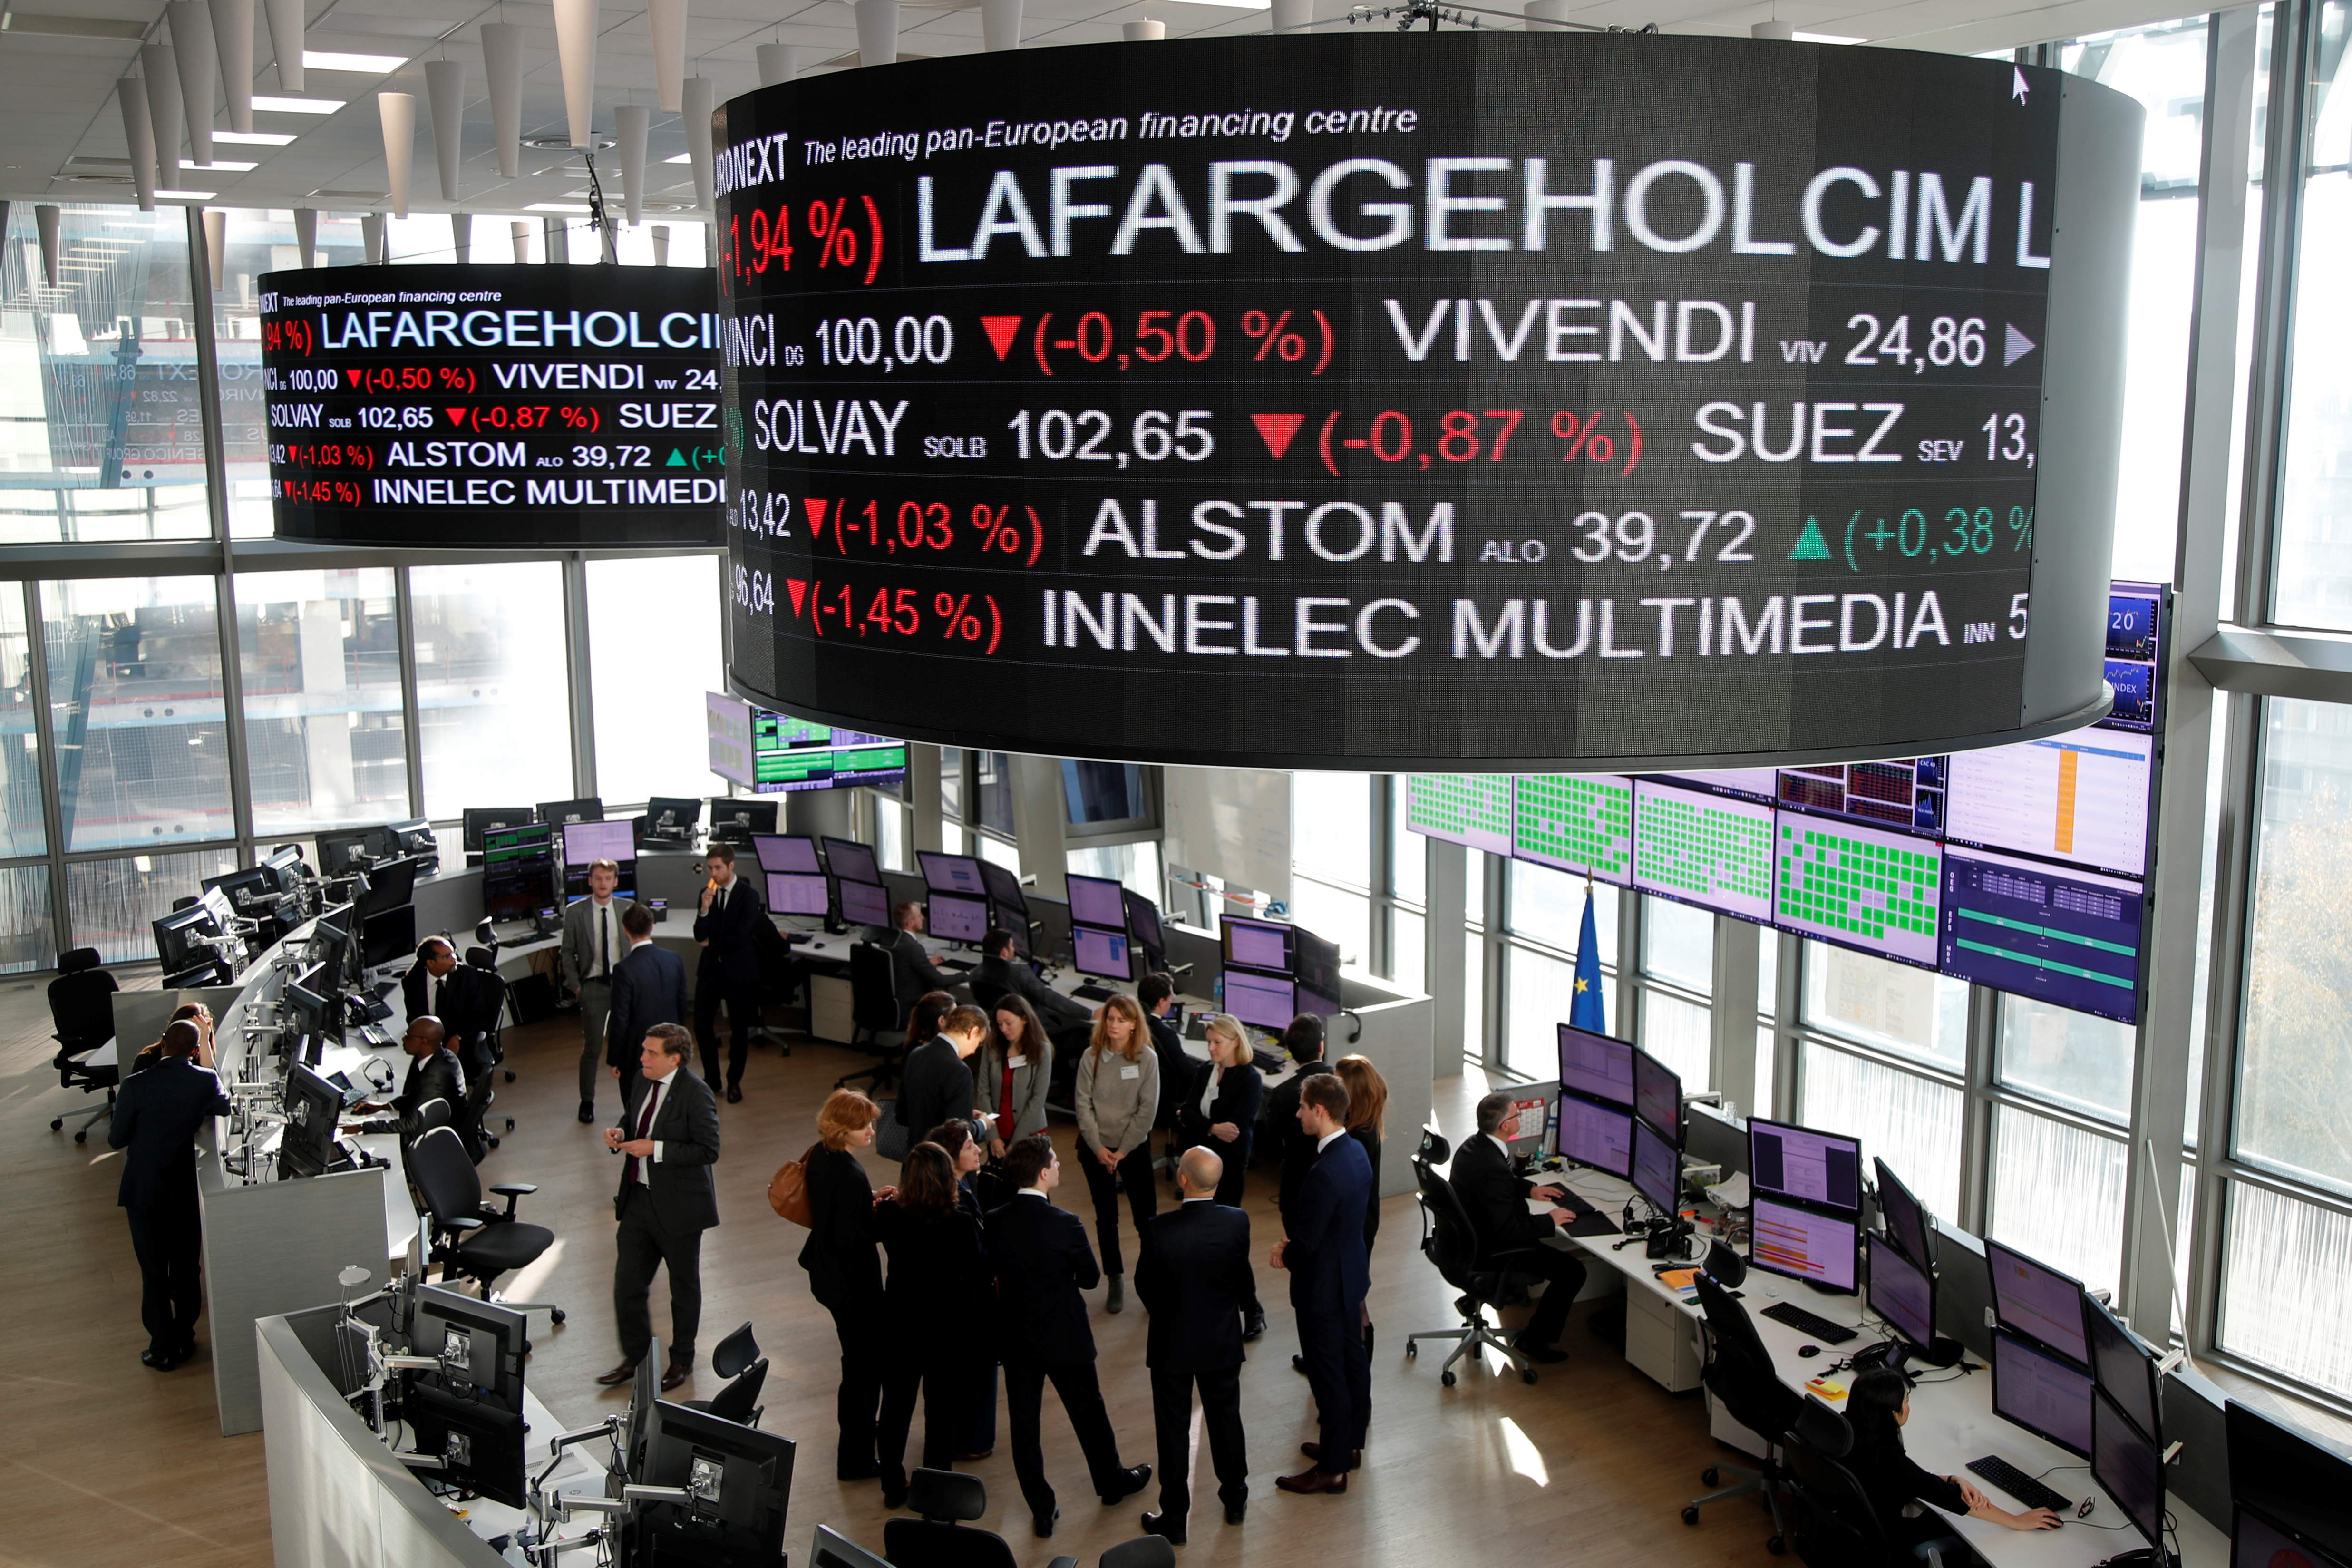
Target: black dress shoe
x,y
1315,1452
734,1094
893,1501
674,1376
619,1374
1543,1355
1043,1523
1236,1511
1298,1363
1254,1326
1168,1530
1134,1478
587,1111
160,1360
864,1472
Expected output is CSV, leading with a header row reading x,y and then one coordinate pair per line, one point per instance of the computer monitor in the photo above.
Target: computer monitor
x,y
951,874
1102,953
585,843
1251,943
1596,1066
672,816
311,998
1658,1096
389,885
517,871
798,893
1004,884
2128,1467
739,1478
478,820
1314,961
951,917
1802,1244
557,813
1905,1218
1100,903
2125,1369
313,1108
415,837
247,891
343,850
1143,922
2046,1395
1901,1292
737,822
1799,1162
2037,1301
389,936
863,903
2293,1480
851,861
330,948
1321,1003
832,1550
793,852
481,1446
2259,1542
1657,1168
183,941
481,1344
1262,1001
1598,1135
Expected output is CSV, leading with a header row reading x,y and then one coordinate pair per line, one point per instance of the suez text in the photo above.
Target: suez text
x,y
1474,205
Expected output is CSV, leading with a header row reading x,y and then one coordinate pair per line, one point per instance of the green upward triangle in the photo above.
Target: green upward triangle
x,y
677,460
1810,545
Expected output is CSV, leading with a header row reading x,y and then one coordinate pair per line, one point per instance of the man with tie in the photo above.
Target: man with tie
x,y
156,1115
1193,1277
1043,1260
1330,1271
433,1074
669,1140
437,986
648,988
730,970
593,944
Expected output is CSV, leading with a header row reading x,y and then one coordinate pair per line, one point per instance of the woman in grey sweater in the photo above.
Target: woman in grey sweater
x,y
1118,1097
1015,1068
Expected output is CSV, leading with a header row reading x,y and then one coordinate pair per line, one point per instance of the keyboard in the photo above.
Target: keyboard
x,y
1811,1323
2018,1484
1092,993
1593,1222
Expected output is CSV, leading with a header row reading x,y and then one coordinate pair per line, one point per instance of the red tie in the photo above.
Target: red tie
x,y
645,1128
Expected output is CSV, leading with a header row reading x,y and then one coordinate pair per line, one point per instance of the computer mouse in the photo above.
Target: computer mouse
x,y
1807,1352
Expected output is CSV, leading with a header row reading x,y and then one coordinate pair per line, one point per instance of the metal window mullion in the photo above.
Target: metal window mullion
x,y
1494,1013
1976,1110
577,691
45,737
1630,907
201,285
2235,845
1380,940
403,615
1788,1003
240,776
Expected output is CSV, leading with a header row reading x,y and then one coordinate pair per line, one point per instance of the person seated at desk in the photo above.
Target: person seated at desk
x,y
1878,1409
433,1073
999,966
911,967
1496,1201
437,986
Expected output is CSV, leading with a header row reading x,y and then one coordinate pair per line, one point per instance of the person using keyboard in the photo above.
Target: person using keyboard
x,y
1877,1408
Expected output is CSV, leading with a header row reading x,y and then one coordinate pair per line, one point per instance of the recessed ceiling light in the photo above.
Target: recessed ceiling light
x,y
100,179
681,158
1825,38
563,143
297,105
218,166
556,208
368,65
185,195
253,137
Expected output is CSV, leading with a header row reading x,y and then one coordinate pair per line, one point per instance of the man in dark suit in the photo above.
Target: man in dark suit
x,y
936,1083
1304,1041
1193,1277
433,1074
1496,1201
1157,993
648,988
730,970
156,1115
592,948
1043,1260
1002,967
670,1138
1330,1271
437,986
911,967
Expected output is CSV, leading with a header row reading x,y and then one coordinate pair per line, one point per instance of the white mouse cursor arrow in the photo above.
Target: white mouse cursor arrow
x,y
2017,88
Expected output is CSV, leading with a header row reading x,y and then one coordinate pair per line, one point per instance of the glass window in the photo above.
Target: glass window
x,y
1331,827
2055,1053
136,705
1473,999
1540,991
1767,1048
113,904
102,436
2314,569
1677,1034
1678,944
1913,1121
2294,1057
1104,792
951,782
1892,1005
995,788
325,741
1547,906
2284,1265
889,833
999,852
2058,1194
26,939
1335,915
1409,852
23,830
1768,971
1135,866
491,685
1408,950
653,650
257,242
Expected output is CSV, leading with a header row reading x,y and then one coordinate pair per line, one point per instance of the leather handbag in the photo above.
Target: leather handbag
x,y
788,1190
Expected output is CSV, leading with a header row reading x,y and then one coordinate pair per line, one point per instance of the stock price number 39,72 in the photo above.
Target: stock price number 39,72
x,y
1060,435
755,591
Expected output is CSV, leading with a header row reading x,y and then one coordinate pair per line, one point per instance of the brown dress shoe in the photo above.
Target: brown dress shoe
x,y
1315,1482
619,1374
1315,1452
674,1375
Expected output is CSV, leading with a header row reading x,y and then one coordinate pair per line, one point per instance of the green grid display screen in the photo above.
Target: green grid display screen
x,y
1577,823
1878,891
1462,808
1704,849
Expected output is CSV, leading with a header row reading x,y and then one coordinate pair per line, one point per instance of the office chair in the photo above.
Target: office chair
x,y
1739,1376
471,1240
1836,1526
1143,1551
780,980
81,1012
874,1013
737,1359
482,1060
940,1539
988,994
1448,1241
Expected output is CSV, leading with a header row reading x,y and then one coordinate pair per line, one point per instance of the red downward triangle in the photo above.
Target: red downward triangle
x,y
1276,430
456,417
816,522
796,587
999,332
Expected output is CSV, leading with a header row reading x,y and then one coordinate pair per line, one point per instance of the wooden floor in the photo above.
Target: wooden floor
x,y
105,1462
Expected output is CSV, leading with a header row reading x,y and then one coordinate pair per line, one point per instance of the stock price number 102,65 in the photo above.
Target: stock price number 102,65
x,y
1064,436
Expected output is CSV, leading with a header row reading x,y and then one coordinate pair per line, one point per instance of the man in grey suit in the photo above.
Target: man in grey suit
x,y
593,943
648,988
668,1140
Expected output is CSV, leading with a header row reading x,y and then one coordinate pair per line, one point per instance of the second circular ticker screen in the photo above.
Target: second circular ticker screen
x,y
1436,399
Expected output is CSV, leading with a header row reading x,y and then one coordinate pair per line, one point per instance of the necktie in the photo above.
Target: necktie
x,y
636,1173
718,900
605,943
433,995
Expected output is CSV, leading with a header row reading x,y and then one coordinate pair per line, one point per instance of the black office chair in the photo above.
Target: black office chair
x,y
987,994
1836,1525
780,979
1143,1551
940,1539
1448,1240
1741,1378
737,1359
875,1013
81,1015
471,1240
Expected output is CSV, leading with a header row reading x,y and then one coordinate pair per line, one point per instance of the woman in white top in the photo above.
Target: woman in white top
x,y
1118,1099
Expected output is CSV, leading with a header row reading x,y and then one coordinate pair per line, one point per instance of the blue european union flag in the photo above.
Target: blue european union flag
x,y
1586,1011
